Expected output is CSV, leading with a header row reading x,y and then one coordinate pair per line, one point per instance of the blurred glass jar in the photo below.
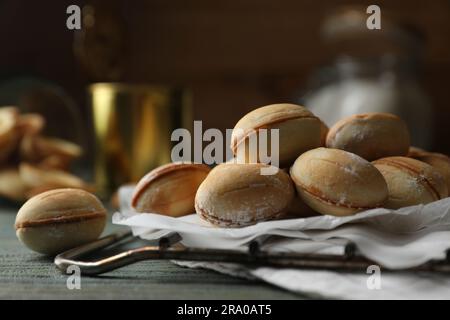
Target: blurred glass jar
x,y
372,71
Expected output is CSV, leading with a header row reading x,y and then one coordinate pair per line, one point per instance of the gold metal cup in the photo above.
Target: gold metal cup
x,y
133,125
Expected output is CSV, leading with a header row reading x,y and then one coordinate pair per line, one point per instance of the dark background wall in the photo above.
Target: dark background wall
x,y
235,55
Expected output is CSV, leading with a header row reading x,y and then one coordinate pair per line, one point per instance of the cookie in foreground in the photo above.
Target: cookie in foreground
x,y
439,161
299,130
370,135
338,182
238,195
411,182
60,219
169,189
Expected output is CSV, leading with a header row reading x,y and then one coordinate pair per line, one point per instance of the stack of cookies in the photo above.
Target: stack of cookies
x,y
363,162
31,163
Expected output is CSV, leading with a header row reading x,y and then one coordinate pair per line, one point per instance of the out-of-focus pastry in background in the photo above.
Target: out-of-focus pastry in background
x,y
371,71
31,95
40,136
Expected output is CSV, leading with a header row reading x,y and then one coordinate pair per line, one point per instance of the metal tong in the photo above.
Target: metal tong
x,y
169,247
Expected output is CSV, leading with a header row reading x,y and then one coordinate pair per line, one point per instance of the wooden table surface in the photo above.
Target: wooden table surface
x,y
28,275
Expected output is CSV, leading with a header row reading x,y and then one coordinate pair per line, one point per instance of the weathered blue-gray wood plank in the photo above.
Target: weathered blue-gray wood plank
x,y
27,275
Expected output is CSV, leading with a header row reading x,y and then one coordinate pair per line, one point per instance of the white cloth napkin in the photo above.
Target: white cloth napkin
x,y
395,239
